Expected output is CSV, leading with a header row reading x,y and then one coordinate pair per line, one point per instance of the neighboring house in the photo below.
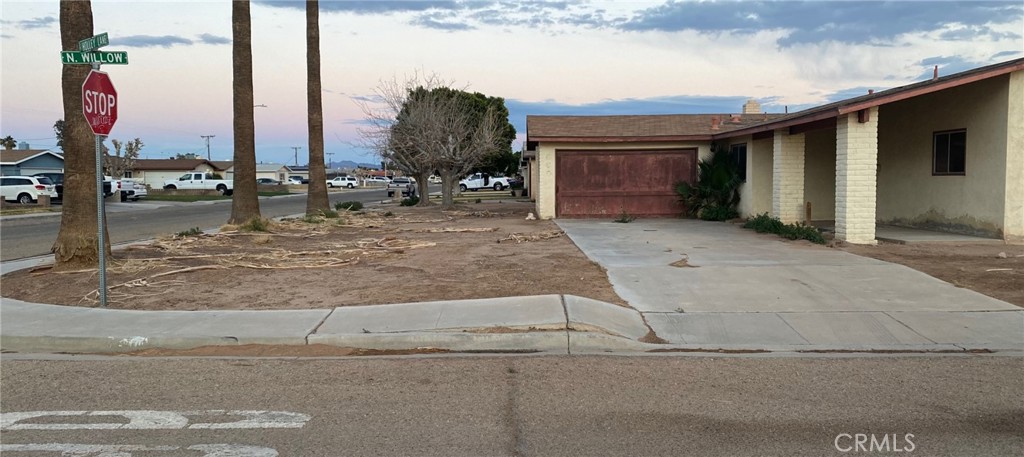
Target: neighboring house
x,y
274,171
226,168
947,154
153,172
27,162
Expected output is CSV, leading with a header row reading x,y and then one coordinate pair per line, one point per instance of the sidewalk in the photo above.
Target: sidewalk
x,y
738,293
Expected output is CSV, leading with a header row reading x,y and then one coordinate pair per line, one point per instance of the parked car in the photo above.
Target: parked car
x,y
343,181
26,189
129,189
478,181
298,179
376,180
434,179
201,181
58,182
401,181
267,182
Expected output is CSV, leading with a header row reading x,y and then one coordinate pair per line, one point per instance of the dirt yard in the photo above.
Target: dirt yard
x,y
398,255
378,256
975,266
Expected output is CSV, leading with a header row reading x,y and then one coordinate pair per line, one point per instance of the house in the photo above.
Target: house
x,y
945,154
153,172
26,162
299,170
275,171
226,168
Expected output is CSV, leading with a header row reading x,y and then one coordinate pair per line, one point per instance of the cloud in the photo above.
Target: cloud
x,y
813,22
36,23
150,41
1005,54
379,7
947,66
440,21
213,39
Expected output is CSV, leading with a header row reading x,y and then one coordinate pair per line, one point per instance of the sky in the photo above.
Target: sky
x,y
543,58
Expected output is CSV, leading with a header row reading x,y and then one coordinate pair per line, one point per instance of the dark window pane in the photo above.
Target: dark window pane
x,y
957,152
738,152
942,153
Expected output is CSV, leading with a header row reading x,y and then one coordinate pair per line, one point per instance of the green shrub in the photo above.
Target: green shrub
x,y
255,224
478,201
763,223
411,201
625,218
718,213
312,219
326,213
194,231
715,195
350,206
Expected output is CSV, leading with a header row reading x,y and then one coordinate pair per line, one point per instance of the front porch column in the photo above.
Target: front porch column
x,y
788,176
856,180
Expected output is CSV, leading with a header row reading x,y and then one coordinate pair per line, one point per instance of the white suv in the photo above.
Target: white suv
x,y
343,181
26,189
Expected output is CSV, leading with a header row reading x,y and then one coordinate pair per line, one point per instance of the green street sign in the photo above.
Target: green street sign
x,y
95,42
101,57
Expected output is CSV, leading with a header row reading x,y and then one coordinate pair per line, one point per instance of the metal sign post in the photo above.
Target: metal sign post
x,y
99,106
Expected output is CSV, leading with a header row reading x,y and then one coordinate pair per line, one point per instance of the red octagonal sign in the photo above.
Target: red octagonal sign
x,y
99,102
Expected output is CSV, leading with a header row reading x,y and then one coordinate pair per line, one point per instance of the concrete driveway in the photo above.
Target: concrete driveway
x,y
700,282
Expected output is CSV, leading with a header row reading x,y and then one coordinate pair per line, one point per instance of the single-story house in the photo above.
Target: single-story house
x,y
945,154
26,162
226,167
274,171
153,172
298,170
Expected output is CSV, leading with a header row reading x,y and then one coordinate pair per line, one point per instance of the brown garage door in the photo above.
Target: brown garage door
x,y
604,183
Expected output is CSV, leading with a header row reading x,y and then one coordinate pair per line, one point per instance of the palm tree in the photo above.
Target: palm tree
x,y
316,196
76,244
245,205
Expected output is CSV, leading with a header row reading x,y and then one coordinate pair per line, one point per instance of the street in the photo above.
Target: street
x,y
512,405
32,236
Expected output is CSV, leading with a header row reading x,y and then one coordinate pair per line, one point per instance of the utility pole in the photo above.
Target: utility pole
x,y
329,160
207,137
296,149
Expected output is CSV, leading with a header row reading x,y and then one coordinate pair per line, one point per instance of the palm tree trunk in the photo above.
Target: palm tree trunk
x,y
245,204
76,244
316,196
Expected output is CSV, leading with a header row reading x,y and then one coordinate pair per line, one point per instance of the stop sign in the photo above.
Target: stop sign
x,y
99,102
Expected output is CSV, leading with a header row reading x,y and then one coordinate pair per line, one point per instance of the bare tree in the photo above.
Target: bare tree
x,y
76,246
400,132
470,138
117,164
245,204
316,196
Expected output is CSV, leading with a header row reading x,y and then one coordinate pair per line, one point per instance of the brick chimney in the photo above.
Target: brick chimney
x,y
714,122
751,107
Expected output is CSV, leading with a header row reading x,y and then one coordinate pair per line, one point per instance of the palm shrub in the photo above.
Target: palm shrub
x,y
717,192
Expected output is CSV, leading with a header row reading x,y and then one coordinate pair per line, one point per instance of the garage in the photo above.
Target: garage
x,y
604,183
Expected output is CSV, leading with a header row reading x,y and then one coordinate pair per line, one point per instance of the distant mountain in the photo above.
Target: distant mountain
x,y
351,164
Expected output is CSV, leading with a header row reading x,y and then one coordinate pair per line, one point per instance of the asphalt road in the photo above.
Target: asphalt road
x,y
22,237
514,405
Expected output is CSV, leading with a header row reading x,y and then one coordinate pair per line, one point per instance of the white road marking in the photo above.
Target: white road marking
x,y
155,420
126,450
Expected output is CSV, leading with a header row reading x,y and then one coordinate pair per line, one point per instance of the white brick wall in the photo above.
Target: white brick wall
x,y
788,177
856,180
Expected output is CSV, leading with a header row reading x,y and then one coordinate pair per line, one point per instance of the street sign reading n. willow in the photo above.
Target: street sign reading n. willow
x,y
101,57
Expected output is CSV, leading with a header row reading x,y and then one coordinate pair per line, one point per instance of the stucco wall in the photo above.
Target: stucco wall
x,y
820,173
908,194
546,160
756,191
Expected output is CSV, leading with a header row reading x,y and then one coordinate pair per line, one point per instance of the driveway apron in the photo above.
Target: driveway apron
x,y
700,282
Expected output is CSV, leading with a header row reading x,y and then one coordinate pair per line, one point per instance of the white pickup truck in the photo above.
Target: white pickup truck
x,y
478,181
202,181
129,189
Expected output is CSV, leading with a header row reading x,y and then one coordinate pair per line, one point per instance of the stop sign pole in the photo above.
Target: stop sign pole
x,y
99,105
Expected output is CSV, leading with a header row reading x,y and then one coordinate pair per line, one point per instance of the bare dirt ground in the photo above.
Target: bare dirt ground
x,y
378,256
975,266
